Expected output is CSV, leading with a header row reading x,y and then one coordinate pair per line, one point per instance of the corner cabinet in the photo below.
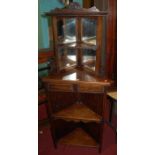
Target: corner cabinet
x,y
77,90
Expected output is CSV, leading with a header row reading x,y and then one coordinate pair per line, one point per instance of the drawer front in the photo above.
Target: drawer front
x,y
60,87
91,88
80,87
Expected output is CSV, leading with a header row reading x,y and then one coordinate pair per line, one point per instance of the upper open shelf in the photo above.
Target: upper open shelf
x,y
78,112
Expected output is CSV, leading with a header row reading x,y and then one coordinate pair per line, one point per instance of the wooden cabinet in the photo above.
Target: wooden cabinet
x,y
77,90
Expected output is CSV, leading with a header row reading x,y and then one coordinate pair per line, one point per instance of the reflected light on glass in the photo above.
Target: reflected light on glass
x,y
70,77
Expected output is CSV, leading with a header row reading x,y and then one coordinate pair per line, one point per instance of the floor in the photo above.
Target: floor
x,y
46,146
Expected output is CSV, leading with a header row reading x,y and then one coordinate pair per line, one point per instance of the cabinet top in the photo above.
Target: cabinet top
x,y
77,76
93,11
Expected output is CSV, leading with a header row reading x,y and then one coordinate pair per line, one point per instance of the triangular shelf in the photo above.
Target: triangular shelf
x,y
78,137
78,112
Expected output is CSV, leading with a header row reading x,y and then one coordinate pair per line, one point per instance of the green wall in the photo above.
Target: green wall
x,y
45,6
40,39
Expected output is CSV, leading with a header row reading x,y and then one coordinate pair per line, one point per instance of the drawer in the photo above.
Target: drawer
x,y
60,87
80,87
91,88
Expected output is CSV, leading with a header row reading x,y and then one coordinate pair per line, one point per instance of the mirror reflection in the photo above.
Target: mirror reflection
x,y
67,58
66,30
89,31
89,58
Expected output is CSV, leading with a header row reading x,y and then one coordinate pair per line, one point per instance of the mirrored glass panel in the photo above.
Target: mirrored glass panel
x,y
66,30
89,31
89,58
66,57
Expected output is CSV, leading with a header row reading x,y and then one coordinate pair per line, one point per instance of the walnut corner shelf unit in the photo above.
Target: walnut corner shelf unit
x,y
77,89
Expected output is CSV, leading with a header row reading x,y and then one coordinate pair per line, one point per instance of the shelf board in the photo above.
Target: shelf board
x,y
78,112
75,45
78,137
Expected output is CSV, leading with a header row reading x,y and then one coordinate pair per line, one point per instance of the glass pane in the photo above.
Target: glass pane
x,y
67,57
89,31
89,59
66,30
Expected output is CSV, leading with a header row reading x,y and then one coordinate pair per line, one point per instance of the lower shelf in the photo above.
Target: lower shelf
x,y
78,137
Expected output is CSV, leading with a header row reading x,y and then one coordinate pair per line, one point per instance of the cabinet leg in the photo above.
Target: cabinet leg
x,y
101,137
53,138
110,109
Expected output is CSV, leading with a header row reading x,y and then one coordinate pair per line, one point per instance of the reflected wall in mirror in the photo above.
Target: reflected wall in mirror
x,y
89,58
66,30
67,58
89,31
